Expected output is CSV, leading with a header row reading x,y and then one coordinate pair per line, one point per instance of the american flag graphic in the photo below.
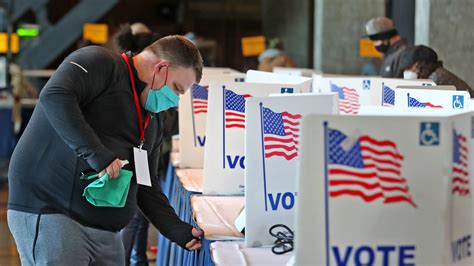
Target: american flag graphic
x,y
412,102
367,168
234,109
281,134
348,99
199,95
388,96
460,180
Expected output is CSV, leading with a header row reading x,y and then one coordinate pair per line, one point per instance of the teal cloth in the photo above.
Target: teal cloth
x,y
105,192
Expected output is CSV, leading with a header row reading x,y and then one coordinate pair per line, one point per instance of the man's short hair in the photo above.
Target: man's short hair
x,y
179,51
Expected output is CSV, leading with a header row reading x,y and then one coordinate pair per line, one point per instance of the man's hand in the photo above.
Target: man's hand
x,y
195,243
113,169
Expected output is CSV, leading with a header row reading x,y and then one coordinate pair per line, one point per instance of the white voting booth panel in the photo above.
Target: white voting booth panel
x,y
225,253
437,99
384,89
316,85
437,87
255,76
302,72
233,77
192,118
271,152
385,190
322,81
352,91
218,71
381,110
224,154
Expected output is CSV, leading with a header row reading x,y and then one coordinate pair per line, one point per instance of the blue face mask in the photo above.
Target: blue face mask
x,y
162,99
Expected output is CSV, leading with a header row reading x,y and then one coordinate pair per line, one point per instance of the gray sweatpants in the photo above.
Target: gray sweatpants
x,y
56,239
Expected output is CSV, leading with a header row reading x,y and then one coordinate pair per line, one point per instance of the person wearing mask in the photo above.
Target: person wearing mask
x,y
274,56
386,39
135,38
97,110
421,62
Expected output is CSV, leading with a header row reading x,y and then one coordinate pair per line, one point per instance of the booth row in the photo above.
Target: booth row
x,y
281,169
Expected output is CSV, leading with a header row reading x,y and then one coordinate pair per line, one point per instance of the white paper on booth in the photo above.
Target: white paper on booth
x,y
271,150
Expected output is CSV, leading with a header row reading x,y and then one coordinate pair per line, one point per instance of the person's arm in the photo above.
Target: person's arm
x,y
156,207
80,78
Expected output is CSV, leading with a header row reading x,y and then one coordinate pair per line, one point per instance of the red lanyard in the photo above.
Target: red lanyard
x,y
137,104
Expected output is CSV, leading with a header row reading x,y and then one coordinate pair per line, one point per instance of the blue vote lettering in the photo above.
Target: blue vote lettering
x,y
233,161
286,200
367,255
201,141
461,248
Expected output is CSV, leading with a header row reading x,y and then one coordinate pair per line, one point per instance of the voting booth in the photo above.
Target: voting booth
x,y
385,190
255,76
271,150
192,118
224,154
218,71
384,89
225,77
293,71
352,92
437,99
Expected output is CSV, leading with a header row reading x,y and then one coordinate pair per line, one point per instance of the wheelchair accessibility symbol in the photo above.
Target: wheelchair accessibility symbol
x,y
366,84
429,134
458,101
287,90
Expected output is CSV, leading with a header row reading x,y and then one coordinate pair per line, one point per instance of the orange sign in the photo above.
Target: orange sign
x,y
14,43
253,46
95,33
367,49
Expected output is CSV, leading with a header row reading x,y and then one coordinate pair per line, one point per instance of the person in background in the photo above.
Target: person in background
x,y
386,39
135,38
21,88
97,110
274,56
421,62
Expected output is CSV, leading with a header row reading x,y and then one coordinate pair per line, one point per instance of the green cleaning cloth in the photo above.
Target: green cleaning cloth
x,y
105,192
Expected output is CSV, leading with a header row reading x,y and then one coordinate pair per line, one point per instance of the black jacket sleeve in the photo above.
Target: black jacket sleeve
x,y
156,207
80,78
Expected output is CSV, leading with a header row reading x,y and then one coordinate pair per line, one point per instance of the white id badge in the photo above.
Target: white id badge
x,y
141,166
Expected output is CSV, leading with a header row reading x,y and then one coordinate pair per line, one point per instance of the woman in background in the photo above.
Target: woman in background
x,y
421,62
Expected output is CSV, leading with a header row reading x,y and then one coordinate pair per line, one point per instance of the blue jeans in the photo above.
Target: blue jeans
x,y
135,238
